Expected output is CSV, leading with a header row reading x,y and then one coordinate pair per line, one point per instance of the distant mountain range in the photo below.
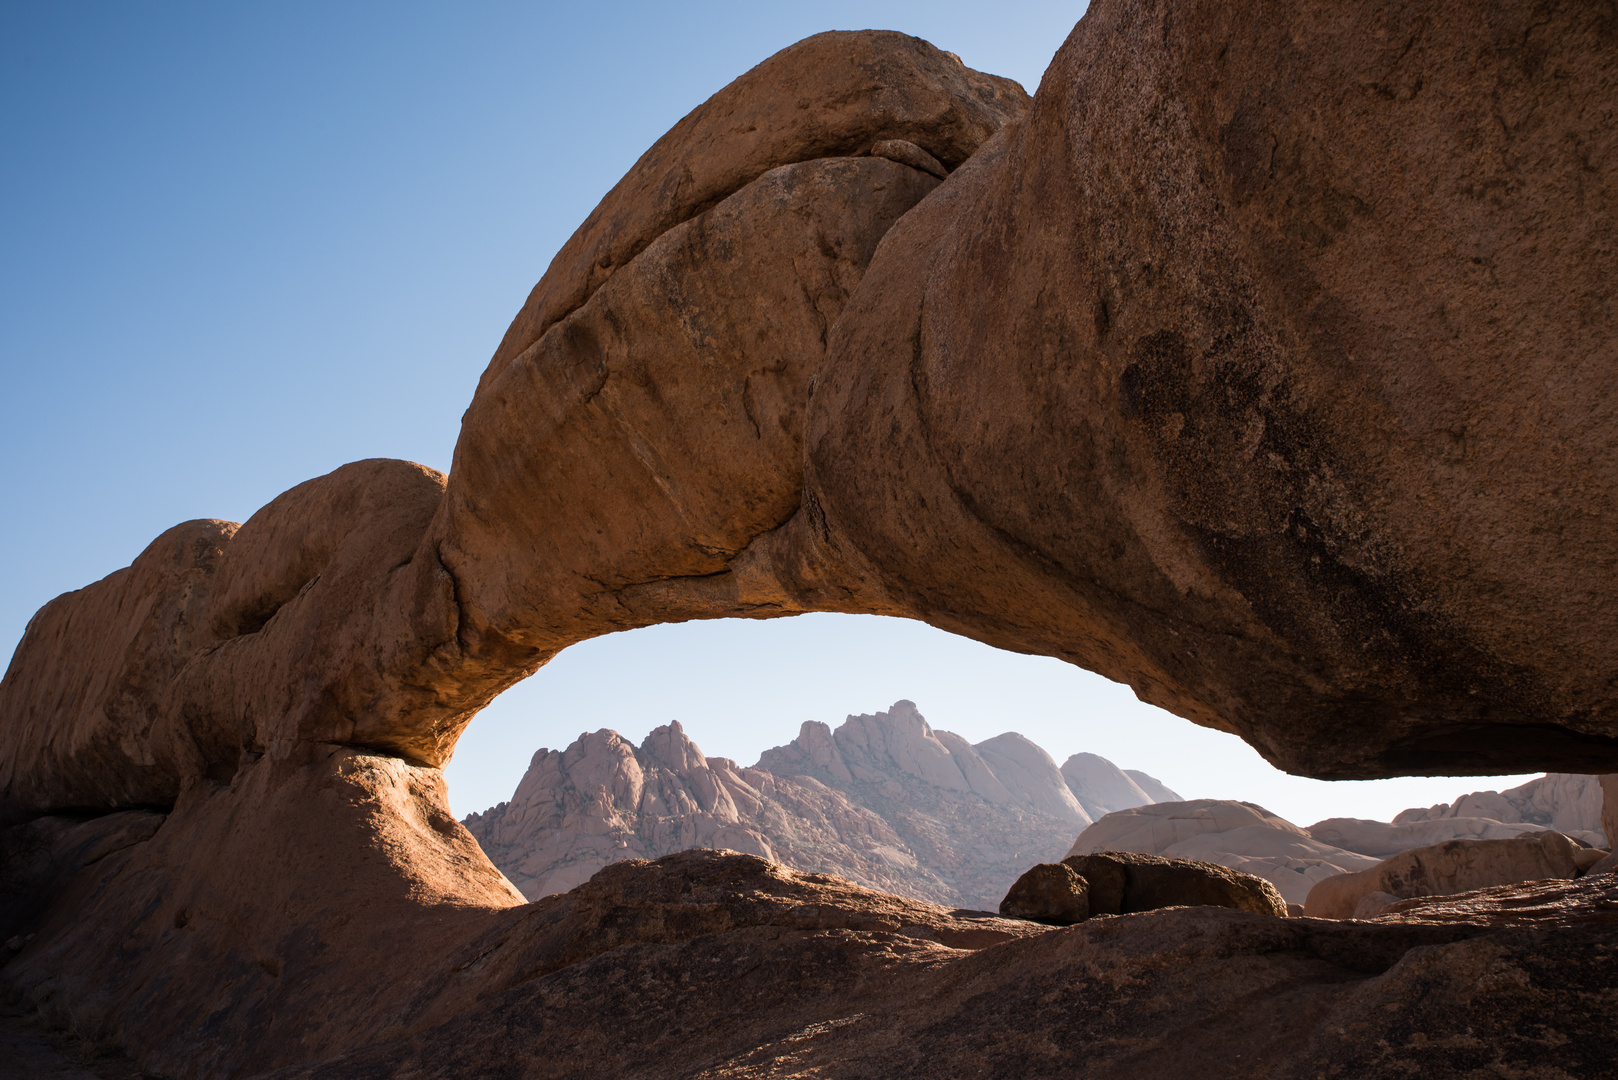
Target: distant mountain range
x,y
884,800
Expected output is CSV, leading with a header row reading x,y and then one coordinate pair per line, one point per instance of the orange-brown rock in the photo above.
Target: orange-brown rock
x,y
1263,367
1266,364
833,95
609,470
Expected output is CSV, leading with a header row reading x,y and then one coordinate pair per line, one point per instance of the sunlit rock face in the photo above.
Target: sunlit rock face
x,y
883,800
1265,363
1245,836
1267,366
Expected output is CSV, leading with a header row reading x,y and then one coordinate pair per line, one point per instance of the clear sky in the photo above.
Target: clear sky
x,y
241,245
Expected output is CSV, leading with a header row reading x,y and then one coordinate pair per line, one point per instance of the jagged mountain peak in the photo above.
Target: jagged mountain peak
x,y
883,799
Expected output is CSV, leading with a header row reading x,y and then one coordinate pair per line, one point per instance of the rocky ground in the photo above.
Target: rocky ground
x,y
1512,982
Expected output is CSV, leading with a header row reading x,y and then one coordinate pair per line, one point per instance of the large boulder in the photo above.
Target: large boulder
x,y
1456,866
1124,882
1051,893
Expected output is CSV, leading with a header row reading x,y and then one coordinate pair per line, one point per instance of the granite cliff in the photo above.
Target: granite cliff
x,y
1263,361
884,801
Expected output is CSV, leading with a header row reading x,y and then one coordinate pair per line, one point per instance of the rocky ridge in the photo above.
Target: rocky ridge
x,y
1244,836
884,800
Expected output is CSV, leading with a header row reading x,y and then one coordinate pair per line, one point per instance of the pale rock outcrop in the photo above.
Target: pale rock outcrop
x,y
1456,866
884,801
603,801
1248,838
1382,839
1030,774
898,743
1242,836
1154,789
1570,803
1107,788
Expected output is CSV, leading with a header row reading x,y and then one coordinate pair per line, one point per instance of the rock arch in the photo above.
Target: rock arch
x,y
1264,362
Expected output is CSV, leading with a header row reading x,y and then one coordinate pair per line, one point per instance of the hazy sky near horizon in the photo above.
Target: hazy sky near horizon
x,y
241,245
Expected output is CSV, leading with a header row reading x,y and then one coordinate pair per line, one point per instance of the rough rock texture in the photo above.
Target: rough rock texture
x,y
1242,836
1454,867
1266,364
1102,787
609,469
1570,803
1248,838
1125,882
1051,893
709,963
1517,984
883,800
850,94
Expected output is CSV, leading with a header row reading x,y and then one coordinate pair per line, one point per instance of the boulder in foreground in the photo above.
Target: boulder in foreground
x,y
1051,893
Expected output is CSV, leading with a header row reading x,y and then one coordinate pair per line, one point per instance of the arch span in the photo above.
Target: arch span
x,y
1264,362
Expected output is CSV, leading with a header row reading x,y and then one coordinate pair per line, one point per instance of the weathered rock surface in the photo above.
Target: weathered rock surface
x,y
1051,893
1456,866
709,963
1570,803
1214,373
1266,364
1242,836
1125,882
602,801
1101,787
1248,838
884,801
609,469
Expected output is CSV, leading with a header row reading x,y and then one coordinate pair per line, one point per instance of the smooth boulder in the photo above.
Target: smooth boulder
x,y
1456,866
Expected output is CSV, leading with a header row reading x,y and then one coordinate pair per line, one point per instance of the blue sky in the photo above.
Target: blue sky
x,y
243,244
